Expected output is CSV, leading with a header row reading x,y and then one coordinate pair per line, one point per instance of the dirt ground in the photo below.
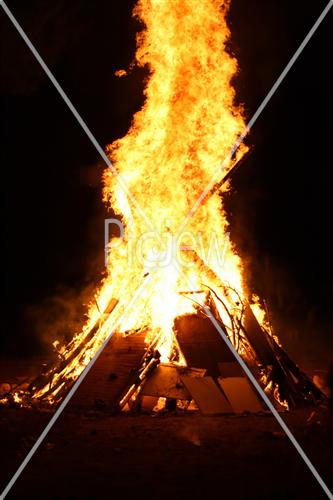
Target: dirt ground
x,y
93,455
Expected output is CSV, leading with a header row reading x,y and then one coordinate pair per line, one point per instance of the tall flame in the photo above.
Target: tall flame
x,y
177,141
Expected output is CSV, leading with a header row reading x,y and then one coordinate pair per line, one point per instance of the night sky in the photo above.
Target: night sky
x,y
53,218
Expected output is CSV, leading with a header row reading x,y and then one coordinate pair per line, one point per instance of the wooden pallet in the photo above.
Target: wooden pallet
x,y
111,373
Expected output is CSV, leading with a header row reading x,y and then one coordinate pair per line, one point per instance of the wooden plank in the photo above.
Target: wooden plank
x,y
240,394
258,338
207,395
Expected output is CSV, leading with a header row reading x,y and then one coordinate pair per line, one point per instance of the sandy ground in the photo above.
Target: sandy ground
x,y
98,456
92,455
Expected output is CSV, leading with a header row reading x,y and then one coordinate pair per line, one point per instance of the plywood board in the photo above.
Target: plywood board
x,y
232,369
148,403
240,394
207,395
191,372
165,382
200,343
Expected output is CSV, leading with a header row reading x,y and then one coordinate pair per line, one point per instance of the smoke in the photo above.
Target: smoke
x,y
62,313
60,316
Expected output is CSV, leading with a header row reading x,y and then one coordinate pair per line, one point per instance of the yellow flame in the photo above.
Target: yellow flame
x,y
176,144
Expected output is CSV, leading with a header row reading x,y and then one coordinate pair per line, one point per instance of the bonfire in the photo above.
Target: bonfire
x,y
174,258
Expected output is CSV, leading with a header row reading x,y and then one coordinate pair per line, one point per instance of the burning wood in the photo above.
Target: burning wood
x,y
149,363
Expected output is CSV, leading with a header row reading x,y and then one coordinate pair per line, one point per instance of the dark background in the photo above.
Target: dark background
x,y
53,217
